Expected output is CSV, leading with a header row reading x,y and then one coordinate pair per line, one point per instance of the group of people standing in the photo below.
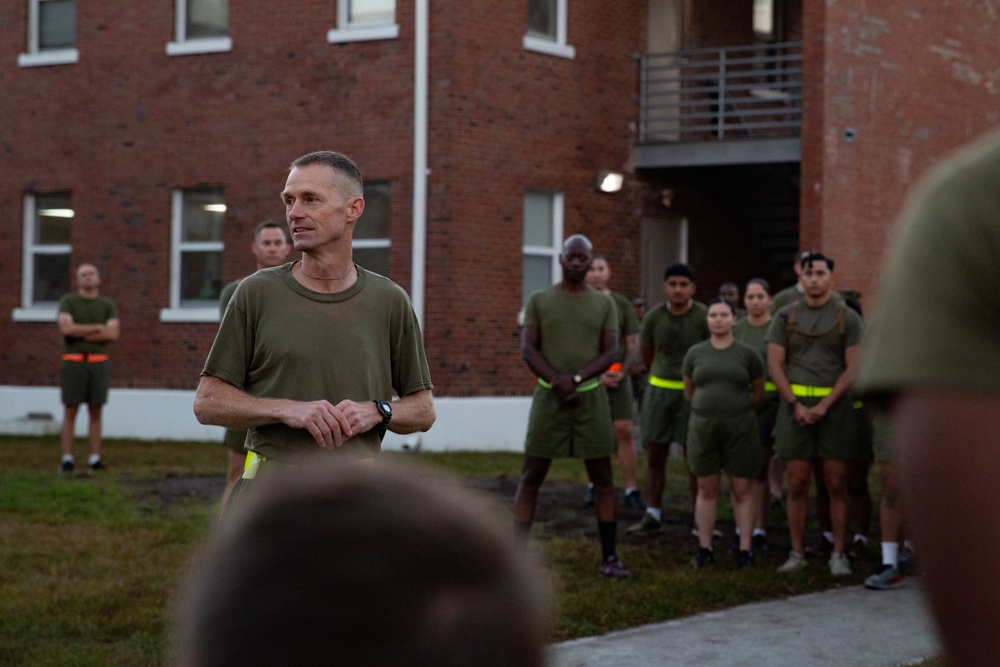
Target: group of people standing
x,y
745,391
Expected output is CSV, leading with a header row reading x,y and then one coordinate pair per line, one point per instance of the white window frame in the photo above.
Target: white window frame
x,y
346,32
558,47
35,55
29,311
176,312
552,251
182,46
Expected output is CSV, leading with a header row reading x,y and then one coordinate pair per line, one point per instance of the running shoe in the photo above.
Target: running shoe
x,y
743,559
858,550
97,465
905,560
633,500
703,557
647,526
795,563
758,544
839,565
612,568
886,578
66,466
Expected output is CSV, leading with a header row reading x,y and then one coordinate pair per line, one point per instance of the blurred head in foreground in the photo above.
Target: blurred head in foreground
x,y
362,565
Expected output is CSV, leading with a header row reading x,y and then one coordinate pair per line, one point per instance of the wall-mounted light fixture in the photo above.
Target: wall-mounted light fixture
x,y
610,181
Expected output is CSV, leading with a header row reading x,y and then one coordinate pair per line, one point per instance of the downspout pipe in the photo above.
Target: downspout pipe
x,y
420,104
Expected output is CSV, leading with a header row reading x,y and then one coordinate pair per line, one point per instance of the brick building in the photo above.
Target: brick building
x,y
742,130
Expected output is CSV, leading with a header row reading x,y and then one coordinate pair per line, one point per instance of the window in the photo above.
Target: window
x,y
201,26
195,255
543,231
765,23
547,28
51,33
359,20
371,232
45,268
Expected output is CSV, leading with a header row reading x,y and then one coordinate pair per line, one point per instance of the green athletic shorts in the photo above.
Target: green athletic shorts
x,y
730,443
234,440
664,415
556,430
835,436
620,399
85,382
866,435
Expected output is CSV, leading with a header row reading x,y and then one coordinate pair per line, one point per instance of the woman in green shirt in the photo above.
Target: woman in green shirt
x,y
724,382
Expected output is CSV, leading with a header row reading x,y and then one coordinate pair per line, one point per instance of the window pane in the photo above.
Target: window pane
x,y
763,18
53,215
371,11
51,279
538,213
374,222
542,18
56,24
207,18
201,277
537,274
202,215
373,259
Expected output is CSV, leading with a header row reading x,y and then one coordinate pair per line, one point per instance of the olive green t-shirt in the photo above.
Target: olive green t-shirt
x,y
628,323
816,360
233,439
721,378
937,321
570,325
785,297
226,295
754,335
281,340
671,336
86,311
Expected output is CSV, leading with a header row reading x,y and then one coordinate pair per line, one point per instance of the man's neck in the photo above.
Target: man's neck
x,y
573,286
817,301
88,292
678,310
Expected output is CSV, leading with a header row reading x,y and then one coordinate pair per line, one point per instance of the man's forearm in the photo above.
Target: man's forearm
x,y
413,412
219,403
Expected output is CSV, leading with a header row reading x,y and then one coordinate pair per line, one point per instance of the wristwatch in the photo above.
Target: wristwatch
x,y
577,379
384,409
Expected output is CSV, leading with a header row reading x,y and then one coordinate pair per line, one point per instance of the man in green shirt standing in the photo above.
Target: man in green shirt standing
x,y
668,331
270,247
812,347
309,354
570,337
88,323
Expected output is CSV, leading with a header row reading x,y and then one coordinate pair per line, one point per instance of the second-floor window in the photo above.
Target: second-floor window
x,y
51,33
371,232
359,20
547,28
196,252
201,26
542,241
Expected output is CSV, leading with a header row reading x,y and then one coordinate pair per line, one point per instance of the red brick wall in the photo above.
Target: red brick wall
x,y
128,124
914,80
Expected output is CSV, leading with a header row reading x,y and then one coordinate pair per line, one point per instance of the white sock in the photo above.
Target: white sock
x,y
737,532
630,489
890,553
828,536
93,458
858,537
67,458
655,512
758,531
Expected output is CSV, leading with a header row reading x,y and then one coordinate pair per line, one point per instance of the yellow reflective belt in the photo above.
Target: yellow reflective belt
x,y
666,384
807,391
593,384
858,405
251,465
770,386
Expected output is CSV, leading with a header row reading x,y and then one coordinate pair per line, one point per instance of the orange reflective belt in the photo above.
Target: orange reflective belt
x,y
89,357
615,367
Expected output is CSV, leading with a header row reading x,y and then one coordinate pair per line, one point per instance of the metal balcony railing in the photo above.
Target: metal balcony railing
x,y
710,94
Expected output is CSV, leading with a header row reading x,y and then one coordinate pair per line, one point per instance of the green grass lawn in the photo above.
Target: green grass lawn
x,y
89,562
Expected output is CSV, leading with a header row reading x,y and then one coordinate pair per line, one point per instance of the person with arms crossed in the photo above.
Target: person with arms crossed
x,y
88,322
668,331
618,383
270,248
308,354
812,348
569,338
939,369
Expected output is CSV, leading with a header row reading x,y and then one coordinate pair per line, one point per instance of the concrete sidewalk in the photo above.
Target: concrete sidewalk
x,y
845,627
